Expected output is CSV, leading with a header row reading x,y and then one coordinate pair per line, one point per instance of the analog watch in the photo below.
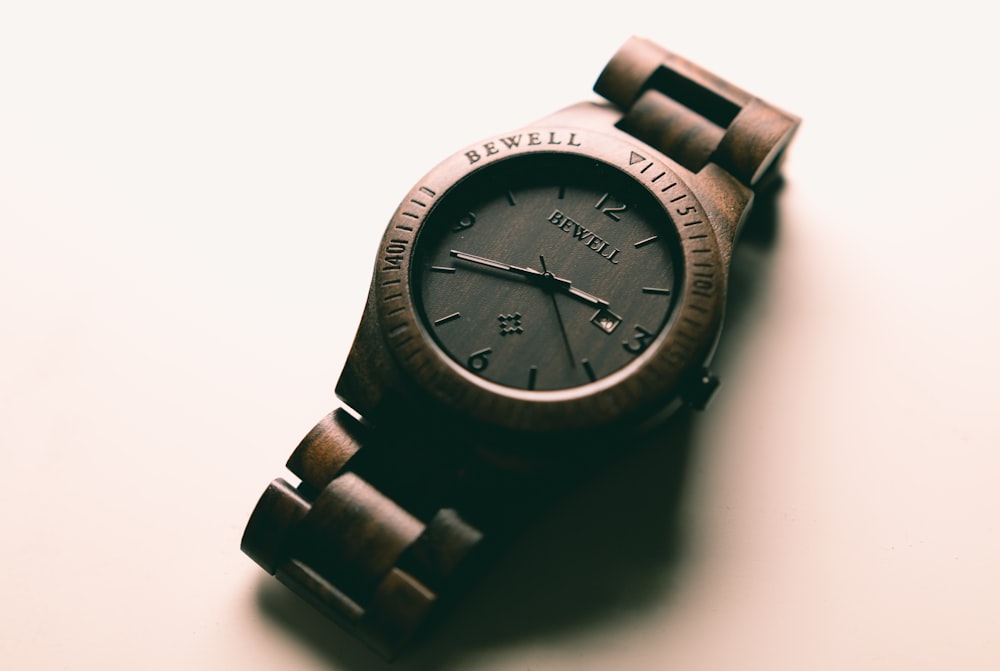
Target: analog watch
x,y
534,293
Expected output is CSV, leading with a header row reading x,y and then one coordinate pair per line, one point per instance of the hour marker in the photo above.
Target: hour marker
x,y
562,192
510,198
449,318
643,243
656,290
467,221
478,361
589,369
442,269
532,376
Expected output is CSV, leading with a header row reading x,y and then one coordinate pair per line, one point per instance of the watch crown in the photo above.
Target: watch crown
x,y
700,389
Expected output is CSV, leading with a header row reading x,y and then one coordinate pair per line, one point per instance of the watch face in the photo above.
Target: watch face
x,y
546,271
564,282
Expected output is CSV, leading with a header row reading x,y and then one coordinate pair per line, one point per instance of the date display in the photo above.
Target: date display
x,y
606,320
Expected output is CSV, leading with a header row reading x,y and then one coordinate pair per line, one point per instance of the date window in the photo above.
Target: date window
x,y
606,320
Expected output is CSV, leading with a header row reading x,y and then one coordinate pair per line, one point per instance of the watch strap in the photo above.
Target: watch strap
x,y
379,534
354,552
692,115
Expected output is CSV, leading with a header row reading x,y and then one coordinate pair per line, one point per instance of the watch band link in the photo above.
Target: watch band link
x,y
377,535
352,551
693,116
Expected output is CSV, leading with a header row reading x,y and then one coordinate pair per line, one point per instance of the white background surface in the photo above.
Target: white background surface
x,y
191,194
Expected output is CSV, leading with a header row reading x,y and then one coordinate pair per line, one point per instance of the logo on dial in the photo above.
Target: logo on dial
x,y
510,324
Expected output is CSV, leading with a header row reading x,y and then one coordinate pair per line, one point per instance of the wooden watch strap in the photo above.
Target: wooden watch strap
x,y
692,115
359,556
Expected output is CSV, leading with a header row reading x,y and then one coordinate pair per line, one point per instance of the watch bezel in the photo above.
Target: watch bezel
x,y
649,382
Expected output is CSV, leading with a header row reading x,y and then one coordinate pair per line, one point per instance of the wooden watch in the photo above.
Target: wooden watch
x,y
536,297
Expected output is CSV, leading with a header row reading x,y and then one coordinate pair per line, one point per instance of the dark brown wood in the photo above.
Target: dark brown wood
x,y
667,97
623,397
396,513
324,452
353,552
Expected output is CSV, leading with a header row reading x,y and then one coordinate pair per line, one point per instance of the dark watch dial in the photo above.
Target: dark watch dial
x,y
545,272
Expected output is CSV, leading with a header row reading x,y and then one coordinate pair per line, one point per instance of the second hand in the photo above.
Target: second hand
x,y
562,327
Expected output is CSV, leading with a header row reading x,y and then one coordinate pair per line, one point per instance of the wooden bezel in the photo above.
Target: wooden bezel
x,y
649,382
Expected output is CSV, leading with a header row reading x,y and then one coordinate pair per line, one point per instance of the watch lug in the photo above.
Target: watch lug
x,y
369,376
726,201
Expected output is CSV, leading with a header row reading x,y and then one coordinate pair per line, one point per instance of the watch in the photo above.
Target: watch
x,y
537,298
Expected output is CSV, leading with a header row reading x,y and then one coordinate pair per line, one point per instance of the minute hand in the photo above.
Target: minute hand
x,y
546,281
584,296
499,265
